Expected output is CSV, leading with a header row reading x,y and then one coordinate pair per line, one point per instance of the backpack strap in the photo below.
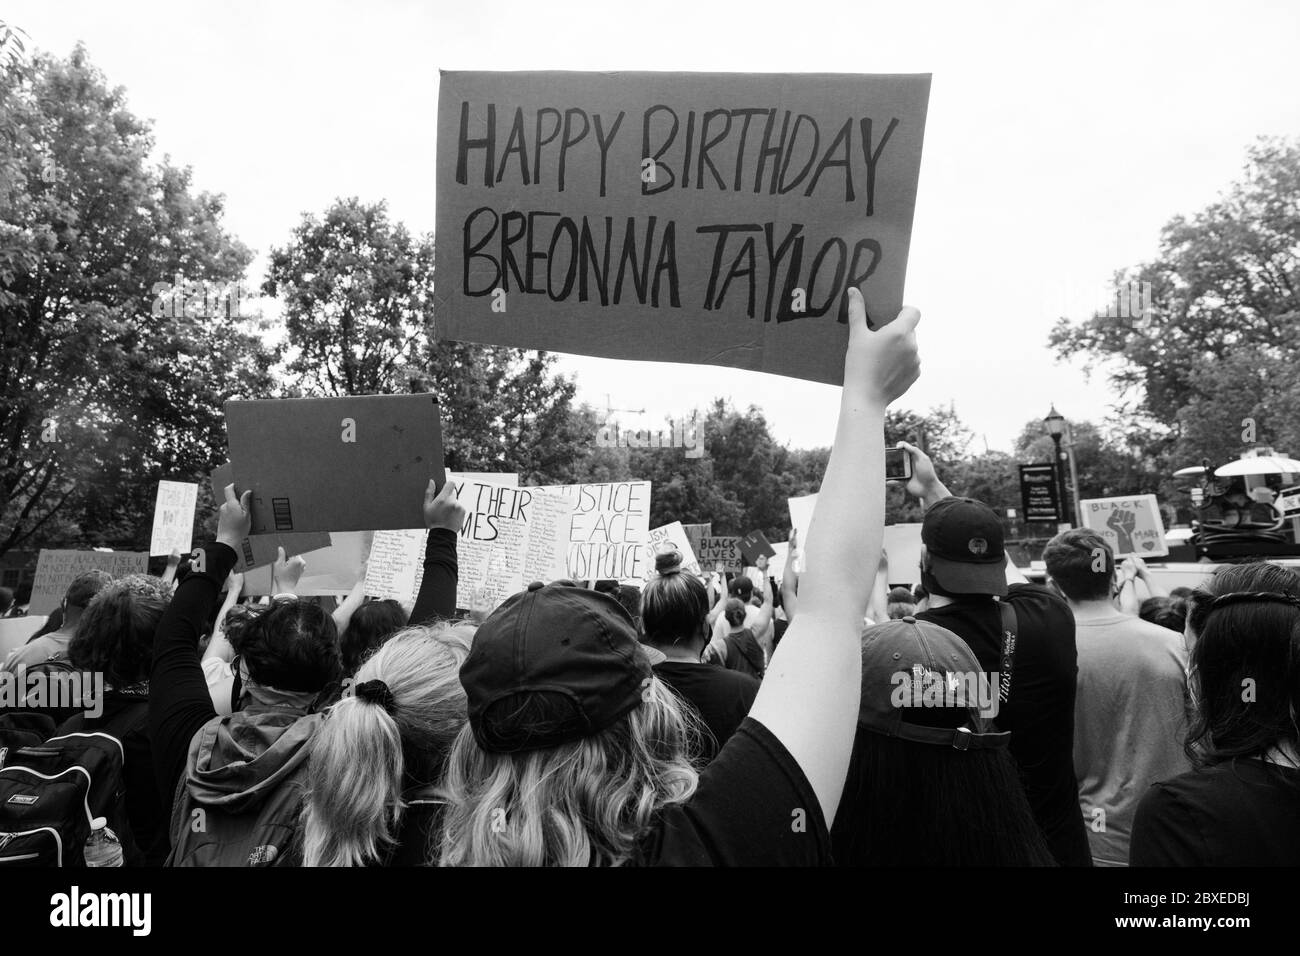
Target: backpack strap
x,y
1009,631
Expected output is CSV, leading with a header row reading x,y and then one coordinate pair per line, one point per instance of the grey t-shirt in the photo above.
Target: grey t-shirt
x,y
1130,721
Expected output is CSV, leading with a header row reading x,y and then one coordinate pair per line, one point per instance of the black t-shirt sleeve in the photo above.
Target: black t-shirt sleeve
x,y
179,700
753,807
437,597
1165,831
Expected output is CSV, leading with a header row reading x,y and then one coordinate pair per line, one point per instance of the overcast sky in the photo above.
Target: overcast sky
x,y
1060,138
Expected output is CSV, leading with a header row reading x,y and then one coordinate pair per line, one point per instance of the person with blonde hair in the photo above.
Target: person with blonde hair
x,y
381,750
576,754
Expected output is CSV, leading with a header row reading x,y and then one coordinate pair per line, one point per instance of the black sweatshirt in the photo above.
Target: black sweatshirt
x,y
437,597
179,700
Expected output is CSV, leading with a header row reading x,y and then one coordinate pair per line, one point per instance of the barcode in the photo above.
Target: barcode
x,y
248,552
280,512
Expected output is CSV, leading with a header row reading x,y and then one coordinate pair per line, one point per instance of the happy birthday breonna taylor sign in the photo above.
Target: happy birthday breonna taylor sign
x,y
709,218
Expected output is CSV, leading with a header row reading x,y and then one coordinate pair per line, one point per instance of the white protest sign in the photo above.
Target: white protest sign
x,y
510,478
55,570
396,564
173,517
1131,526
671,537
903,545
611,527
801,512
511,537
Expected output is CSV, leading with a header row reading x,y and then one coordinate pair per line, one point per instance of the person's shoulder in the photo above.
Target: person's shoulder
x,y
1035,593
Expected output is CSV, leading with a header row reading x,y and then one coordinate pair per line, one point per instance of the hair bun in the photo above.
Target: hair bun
x,y
668,562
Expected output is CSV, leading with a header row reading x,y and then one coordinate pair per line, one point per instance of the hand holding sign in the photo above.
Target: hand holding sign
x,y
441,509
880,366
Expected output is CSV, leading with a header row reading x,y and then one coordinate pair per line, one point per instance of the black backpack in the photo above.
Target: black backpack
x,y
51,791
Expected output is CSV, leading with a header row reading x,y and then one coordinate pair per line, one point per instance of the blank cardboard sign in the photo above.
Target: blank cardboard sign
x,y
710,218
358,463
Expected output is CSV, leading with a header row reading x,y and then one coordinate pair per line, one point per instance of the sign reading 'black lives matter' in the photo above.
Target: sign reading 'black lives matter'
x,y
710,218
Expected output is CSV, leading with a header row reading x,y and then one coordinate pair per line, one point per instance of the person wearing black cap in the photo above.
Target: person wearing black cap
x,y
1024,632
577,754
931,782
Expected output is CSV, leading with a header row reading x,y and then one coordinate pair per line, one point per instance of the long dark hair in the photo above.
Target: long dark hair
x,y
915,804
1246,660
371,625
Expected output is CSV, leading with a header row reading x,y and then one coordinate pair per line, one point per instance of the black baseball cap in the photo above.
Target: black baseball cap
x,y
923,683
552,665
963,538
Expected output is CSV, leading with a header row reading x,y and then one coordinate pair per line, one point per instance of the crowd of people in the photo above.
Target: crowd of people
x,y
977,719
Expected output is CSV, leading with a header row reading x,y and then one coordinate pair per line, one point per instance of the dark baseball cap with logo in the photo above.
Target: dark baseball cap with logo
x,y
904,663
963,538
553,664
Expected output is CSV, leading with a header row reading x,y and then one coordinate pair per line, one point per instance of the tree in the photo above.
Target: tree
x,y
1224,294
103,392
359,312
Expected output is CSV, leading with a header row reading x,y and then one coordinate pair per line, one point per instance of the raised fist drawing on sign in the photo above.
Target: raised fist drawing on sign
x,y
1122,522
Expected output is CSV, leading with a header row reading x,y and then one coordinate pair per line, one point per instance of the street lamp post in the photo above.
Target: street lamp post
x,y
1055,423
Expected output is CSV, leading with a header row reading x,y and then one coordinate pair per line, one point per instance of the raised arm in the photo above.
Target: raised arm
x,y
878,607
219,646
769,602
443,516
179,700
356,597
811,694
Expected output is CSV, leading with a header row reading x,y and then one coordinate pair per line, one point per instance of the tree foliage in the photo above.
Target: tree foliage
x,y
100,398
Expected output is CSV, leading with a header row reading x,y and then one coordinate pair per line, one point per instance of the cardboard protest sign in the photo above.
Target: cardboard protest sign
x,y
173,517
55,570
330,570
711,218
359,463
670,537
1131,526
903,547
696,533
724,549
776,564
611,526
755,545
260,549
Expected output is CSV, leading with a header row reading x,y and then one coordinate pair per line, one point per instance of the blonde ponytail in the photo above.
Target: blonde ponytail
x,y
358,763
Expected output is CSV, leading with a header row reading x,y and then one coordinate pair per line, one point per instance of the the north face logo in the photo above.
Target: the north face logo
x,y
977,546
263,855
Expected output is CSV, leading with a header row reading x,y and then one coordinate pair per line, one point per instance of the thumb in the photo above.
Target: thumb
x,y
279,555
